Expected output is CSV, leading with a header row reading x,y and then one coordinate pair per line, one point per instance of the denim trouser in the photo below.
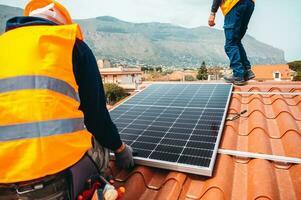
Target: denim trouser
x,y
236,25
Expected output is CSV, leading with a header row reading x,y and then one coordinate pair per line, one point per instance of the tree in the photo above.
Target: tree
x,y
297,76
158,69
114,93
296,66
189,78
202,72
144,69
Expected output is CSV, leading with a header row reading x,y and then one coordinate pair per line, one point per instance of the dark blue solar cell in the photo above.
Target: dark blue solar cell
x,y
154,133
187,159
168,149
174,123
142,153
164,156
144,145
177,136
128,137
173,142
197,152
148,139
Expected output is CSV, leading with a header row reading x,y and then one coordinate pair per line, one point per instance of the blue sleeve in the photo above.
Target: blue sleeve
x,y
215,5
92,97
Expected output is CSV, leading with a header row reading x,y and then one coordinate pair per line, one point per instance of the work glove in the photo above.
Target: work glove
x,y
124,159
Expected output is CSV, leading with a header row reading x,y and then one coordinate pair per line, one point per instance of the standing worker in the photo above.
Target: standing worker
x,y
50,93
237,16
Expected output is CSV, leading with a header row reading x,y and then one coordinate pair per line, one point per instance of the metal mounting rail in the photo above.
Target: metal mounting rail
x,y
270,93
282,159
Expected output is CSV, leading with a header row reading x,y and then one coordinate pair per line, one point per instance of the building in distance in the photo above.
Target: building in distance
x,y
126,77
273,72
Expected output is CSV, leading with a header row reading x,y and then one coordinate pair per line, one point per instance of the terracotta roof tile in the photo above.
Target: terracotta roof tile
x,y
272,125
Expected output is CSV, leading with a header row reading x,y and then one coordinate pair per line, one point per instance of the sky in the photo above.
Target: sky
x,y
275,22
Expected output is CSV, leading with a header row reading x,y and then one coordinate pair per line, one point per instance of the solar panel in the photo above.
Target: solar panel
x,y
175,126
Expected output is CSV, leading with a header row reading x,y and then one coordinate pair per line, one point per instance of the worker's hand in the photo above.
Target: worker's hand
x,y
124,158
211,20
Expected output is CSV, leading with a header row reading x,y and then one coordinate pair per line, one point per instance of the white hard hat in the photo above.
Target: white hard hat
x,y
49,12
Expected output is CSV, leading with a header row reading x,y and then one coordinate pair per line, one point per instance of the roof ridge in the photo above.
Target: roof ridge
x,y
264,103
267,94
270,117
279,88
266,133
263,114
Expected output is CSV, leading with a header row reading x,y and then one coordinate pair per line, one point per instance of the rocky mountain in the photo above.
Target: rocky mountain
x,y
160,43
7,12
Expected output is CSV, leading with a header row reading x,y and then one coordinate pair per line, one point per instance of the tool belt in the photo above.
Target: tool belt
x,y
94,163
49,187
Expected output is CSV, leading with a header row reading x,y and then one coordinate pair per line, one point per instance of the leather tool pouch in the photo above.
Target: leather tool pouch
x,y
92,164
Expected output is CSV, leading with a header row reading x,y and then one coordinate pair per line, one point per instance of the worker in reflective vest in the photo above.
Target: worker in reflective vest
x,y
51,104
237,16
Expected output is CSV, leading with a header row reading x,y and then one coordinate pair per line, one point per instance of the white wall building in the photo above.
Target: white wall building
x,y
128,78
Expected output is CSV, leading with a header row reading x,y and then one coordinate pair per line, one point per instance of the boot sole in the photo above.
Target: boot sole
x,y
250,78
236,82
240,83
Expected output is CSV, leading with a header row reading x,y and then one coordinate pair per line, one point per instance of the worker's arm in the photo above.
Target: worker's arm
x,y
92,96
215,5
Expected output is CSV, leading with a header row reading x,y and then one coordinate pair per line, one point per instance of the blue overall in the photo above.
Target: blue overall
x,y
235,26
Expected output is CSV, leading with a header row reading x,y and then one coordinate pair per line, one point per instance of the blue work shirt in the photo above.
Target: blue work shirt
x,y
90,87
215,5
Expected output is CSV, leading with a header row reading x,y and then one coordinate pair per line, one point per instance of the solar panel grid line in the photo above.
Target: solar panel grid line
x,y
221,129
131,98
196,123
207,120
158,122
209,136
158,106
184,154
153,93
125,136
131,109
174,126
196,99
143,130
170,126
133,121
123,114
199,148
171,153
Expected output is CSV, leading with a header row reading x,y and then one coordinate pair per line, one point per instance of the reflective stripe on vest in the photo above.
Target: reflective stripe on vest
x,y
42,130
37,82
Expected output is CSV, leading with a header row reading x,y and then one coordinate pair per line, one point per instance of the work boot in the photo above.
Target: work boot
x,y
249,75
235,80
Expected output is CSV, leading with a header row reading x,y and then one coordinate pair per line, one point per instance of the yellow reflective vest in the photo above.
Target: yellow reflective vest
x,y
41,129
227,5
